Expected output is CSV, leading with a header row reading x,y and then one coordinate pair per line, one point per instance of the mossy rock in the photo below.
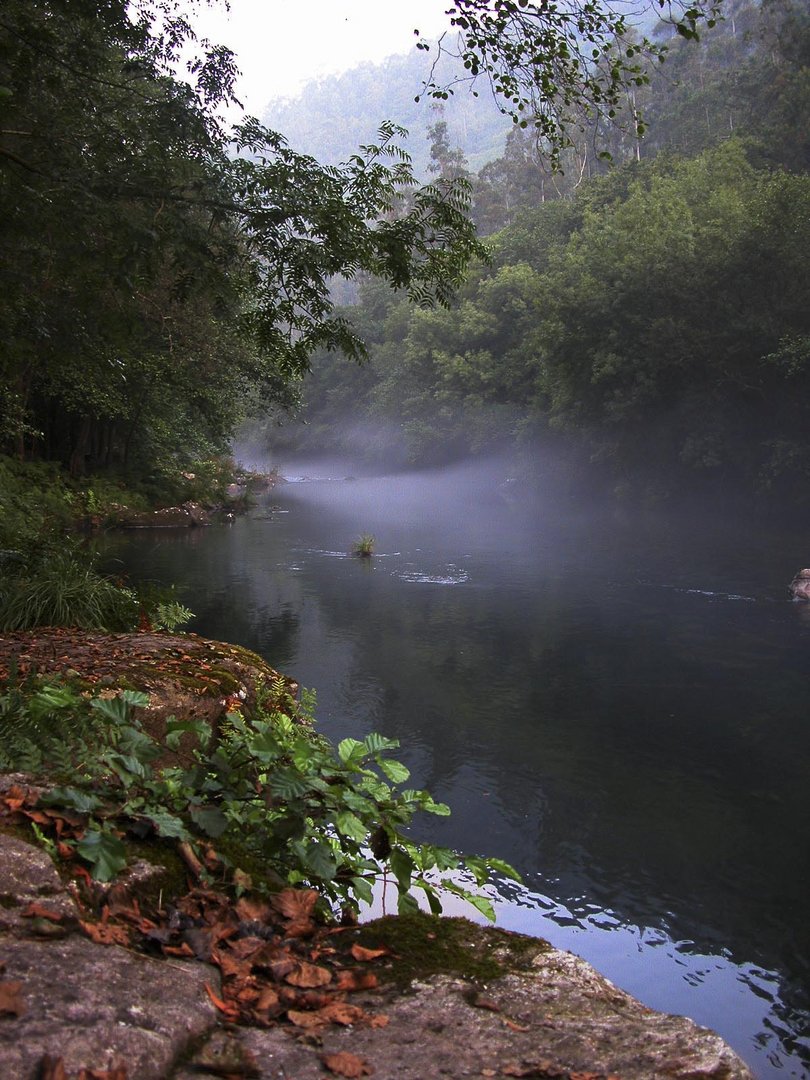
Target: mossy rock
x,y
185,676
423,945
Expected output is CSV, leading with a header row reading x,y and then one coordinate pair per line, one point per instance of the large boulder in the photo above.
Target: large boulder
x,y
71,1003
70,1000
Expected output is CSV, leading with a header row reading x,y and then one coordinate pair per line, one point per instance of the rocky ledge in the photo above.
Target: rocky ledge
x,y
184,675
70,1003
92,989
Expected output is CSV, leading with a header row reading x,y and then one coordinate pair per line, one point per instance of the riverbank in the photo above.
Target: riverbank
x,y
169,973
39,500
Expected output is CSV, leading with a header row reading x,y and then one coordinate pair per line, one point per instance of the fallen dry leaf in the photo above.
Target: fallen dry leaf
x,y
346,1064
15,798
478,1001
253,910
39,911
356,980
300,928
268,999
279,968
229,1011
359,952
105,934
247,946
305,1019
297,904
339,1012
515,1027
308,975
229,965
184,950
11,1000
305,999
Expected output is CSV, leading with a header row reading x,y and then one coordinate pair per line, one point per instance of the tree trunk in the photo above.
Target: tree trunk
x,y
79,452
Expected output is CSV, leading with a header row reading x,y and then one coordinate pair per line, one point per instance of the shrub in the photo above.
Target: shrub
x,y
269,790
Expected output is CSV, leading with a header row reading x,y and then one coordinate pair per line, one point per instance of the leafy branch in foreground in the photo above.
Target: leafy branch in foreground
x,y
550,65
266,791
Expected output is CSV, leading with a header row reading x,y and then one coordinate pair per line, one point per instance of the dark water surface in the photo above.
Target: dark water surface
x,y
616,705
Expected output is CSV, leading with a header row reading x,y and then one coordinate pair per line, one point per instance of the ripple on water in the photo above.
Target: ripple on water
x,y
452,577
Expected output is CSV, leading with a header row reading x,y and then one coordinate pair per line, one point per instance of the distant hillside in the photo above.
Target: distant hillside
x,y
333,116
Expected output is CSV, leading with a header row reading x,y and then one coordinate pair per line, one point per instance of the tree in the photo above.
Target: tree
x,y
673,327
159,271
156,270
554,66
446,161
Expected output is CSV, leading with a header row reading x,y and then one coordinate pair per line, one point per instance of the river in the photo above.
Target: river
x,y
613,702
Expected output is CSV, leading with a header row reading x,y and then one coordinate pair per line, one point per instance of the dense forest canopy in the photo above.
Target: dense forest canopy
x,y
648,322
163,277
158,272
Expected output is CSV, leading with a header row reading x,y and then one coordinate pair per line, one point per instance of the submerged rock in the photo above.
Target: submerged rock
x,y
188,515
800,586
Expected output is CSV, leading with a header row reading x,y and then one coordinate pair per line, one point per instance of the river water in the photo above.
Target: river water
x,y
614,703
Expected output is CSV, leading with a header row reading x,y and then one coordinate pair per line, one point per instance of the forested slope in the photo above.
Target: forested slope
x,y
650,325
334,115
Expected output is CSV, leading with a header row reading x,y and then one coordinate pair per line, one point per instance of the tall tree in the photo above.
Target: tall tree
x,y
155,269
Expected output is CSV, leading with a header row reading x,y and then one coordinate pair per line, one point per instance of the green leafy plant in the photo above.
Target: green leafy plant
x,y
266,791
34,716
170,615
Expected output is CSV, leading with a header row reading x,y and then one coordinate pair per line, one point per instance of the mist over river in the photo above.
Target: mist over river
x,y
615,703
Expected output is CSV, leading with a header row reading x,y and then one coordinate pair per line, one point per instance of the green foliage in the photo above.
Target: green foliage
x,y
156,281
654,328
36,505
34,717
171,615
65,590
267,788
552,67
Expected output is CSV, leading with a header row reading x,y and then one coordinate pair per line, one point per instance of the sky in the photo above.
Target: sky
x,y
279,44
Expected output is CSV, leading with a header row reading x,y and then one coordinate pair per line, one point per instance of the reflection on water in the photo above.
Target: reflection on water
x,y
615,706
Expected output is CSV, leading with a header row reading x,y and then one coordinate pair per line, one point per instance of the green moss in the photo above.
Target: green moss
x,y
423,945
173,880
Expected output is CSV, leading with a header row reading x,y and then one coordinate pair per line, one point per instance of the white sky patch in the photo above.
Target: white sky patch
x,y
280,45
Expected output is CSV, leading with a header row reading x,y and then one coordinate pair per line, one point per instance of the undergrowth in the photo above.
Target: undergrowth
x,y
267,789
65,589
